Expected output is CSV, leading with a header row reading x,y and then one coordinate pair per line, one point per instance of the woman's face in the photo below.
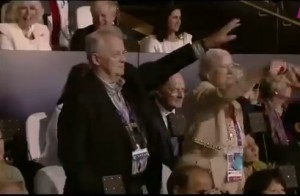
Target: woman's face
x,y
174,20
274,188
27,14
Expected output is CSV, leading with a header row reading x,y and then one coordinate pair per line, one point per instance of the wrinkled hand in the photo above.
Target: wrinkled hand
x,y
222,36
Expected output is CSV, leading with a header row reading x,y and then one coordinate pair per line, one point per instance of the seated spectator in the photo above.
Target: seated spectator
x,y
22,30
251,157
49,155
167,35
103,13
275,91
8,173
189,180
266,181
12,188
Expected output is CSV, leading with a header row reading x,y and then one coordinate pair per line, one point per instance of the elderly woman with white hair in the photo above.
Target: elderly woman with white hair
x,y
215,138
22,29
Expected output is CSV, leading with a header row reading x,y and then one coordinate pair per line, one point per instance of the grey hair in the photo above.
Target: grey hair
x,y
11,14
94,41
112,4
206,63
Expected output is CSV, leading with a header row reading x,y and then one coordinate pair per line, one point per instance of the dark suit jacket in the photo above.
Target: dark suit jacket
x,y
168,157
92,141
78,39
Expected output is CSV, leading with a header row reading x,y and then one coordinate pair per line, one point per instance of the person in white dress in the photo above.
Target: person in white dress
x,y
22,29
167,36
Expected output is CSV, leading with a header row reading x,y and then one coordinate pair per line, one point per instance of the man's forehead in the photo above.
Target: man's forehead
x,y
103,6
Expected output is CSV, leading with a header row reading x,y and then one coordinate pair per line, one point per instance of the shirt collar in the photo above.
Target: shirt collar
x,y
163,110
112,88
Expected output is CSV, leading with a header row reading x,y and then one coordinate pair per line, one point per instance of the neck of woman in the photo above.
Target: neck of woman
x,y
172,37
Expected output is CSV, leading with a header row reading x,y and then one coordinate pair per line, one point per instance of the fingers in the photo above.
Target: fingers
x,y
231,25
230,38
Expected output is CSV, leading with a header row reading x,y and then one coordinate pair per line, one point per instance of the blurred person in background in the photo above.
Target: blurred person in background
x,y
190,180
167,34
251,157
266,181
103,13
215,139
12,187
9,175
23,28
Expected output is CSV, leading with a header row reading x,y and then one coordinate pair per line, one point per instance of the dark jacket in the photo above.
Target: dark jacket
x,y
78,39
92,141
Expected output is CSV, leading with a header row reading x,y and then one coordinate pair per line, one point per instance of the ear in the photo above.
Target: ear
x,y
95,59
208,76
297,127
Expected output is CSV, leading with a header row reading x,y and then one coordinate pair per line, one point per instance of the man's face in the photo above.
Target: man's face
x,y
111,58
198,182
222,70
251,151
103,14
173,91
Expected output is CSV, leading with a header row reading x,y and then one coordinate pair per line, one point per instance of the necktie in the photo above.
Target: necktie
x,y
170,118
55,22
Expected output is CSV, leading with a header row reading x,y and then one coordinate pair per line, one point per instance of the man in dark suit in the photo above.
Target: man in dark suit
x,y
106,126
167,101
104,13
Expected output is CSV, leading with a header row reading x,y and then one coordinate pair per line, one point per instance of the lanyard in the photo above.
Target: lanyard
x,y
237,128
130,124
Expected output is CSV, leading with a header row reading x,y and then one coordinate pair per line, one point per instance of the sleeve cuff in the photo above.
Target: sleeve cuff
x,y
199,49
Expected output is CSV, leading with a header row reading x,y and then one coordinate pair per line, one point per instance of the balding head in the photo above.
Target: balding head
x,y
216,66
189,179
171,93
104,12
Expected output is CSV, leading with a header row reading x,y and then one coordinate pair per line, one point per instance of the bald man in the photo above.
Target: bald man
x,y
190,180
104,13
215,138
167,100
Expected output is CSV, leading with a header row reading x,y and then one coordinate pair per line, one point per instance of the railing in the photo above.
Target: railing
x,y
277,15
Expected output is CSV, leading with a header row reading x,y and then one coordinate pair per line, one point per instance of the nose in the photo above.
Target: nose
x,y
123,58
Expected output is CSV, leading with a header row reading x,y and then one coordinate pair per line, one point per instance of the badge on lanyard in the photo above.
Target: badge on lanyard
x,y
139,160
234,167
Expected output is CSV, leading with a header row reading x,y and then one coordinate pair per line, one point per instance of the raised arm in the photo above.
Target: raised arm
x,y
157,72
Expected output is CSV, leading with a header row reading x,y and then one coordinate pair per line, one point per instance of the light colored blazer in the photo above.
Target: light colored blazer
x,y
206,141
152,45
12,37
49,155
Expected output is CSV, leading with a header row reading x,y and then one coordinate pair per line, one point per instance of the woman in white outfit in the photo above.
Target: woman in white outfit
x,y
22,29
167,35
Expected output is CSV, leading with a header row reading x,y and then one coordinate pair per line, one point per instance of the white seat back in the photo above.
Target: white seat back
x,y
36,126
3,12
166,172
83,17
50,180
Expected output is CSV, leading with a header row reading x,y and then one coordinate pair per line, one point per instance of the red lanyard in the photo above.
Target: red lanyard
x,y
55,22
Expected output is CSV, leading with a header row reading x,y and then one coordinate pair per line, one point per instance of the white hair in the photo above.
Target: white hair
x,y
94,41
112,4
207,62
11,15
